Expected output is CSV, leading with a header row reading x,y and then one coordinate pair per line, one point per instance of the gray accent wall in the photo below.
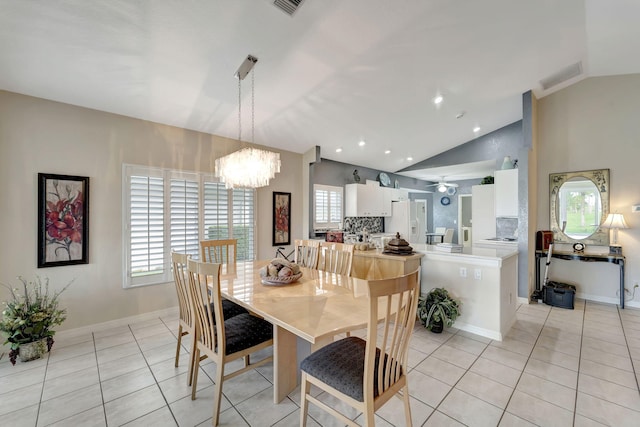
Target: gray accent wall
x,y
513,140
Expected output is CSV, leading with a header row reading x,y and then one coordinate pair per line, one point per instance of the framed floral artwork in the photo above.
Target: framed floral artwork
x,y
281,218
63,220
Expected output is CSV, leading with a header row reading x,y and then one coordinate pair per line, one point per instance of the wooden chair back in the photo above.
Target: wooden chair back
x,y
187,320
306,253
219,251
336,257
441,230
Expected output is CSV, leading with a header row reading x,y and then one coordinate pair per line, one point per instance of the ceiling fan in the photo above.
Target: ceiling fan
x,y
442,186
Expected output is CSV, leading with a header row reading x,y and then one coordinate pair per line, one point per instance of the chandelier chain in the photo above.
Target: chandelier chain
x,y
253,109
239,110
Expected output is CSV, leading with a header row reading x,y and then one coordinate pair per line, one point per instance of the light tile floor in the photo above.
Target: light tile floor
x,y
556,367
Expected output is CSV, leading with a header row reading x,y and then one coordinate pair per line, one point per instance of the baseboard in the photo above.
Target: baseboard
x,y
487,333
117,322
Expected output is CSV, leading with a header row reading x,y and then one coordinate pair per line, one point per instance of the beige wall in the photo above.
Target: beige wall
x,y
594,125
43,136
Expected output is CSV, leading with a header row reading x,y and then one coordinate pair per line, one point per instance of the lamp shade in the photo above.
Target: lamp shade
x,y
615,220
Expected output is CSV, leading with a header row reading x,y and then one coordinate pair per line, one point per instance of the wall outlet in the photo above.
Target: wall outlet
x,y
463,271
477,274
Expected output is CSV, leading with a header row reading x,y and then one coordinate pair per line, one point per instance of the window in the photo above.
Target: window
x,y
166,210
327,206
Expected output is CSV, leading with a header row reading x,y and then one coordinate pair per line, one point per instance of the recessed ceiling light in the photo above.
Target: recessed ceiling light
x,y
409,158
476,129
438,99
338,150
361,143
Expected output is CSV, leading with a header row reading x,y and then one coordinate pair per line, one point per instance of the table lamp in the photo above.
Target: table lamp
x,y
615,221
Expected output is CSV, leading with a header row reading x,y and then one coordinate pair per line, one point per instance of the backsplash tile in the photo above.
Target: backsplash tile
x,y
506,227
355,224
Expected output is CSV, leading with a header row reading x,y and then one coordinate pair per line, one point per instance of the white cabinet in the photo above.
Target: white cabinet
x,y
370,199
506,182
362,200
483,212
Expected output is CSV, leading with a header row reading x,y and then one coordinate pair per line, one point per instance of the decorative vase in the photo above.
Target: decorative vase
x,y
437,327
33,350
507,163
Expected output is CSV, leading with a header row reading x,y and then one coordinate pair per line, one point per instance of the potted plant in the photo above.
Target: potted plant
x,y
437,308
28,319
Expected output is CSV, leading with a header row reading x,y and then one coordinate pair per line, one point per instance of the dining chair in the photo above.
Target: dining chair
x,y
365,374
219,339
307,253
187,320
222,251
441,230
448,236
336,257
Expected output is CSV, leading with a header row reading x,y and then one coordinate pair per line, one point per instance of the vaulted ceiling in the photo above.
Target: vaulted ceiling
x,y
333,74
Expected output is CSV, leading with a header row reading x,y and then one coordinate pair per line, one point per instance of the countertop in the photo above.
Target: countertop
x,y
472,252
377,253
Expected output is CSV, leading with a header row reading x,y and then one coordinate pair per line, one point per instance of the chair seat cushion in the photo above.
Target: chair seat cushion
x,y
231,309
341,366
244,331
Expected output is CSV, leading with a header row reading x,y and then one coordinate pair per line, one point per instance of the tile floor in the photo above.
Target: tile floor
x,y
557,367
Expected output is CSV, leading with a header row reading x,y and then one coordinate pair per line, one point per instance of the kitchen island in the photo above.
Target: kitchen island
x,y
485,280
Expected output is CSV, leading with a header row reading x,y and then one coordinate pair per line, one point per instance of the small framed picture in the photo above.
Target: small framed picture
x,y
63,220
281,218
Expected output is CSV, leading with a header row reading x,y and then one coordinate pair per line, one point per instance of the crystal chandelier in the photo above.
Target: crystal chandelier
x,y
248,167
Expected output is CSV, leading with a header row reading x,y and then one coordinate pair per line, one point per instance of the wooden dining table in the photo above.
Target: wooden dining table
x,y
316,307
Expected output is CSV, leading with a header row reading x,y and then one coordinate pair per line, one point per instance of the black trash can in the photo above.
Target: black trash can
x,y
559,294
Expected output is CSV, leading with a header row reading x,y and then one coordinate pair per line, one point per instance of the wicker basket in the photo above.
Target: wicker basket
x,y
277,280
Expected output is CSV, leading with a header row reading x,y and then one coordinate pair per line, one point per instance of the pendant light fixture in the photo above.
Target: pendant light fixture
x,y
248,167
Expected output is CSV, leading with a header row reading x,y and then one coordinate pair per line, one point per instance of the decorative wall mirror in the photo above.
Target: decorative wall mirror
x,y
579,202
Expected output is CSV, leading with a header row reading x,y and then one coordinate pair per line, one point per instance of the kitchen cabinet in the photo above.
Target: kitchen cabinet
x,y
506,193
366,200
483,212
371,200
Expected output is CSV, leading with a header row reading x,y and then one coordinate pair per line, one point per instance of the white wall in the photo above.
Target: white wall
x,y
37,135
594,125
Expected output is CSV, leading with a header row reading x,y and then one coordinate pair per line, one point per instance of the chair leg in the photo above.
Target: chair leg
x,y
192,359
218,397
196,368
305,387
407,406
179,343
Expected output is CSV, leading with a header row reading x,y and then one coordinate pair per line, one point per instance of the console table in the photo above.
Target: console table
x,y
586,257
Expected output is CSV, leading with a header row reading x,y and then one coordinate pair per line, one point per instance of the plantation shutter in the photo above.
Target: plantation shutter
x,y
322,206
146,224
216,211
184,216
243,222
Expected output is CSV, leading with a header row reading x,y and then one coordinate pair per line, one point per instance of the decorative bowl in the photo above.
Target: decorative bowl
x,y
277,280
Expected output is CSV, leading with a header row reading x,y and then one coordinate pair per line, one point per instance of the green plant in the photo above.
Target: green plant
x,y
438,306
487,180
29,316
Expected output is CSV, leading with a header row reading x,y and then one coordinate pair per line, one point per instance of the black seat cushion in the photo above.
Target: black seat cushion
x,y
231,309
341,365
244,331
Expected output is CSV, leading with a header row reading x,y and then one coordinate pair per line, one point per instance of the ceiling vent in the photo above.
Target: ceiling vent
x,y
288,6
573,70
